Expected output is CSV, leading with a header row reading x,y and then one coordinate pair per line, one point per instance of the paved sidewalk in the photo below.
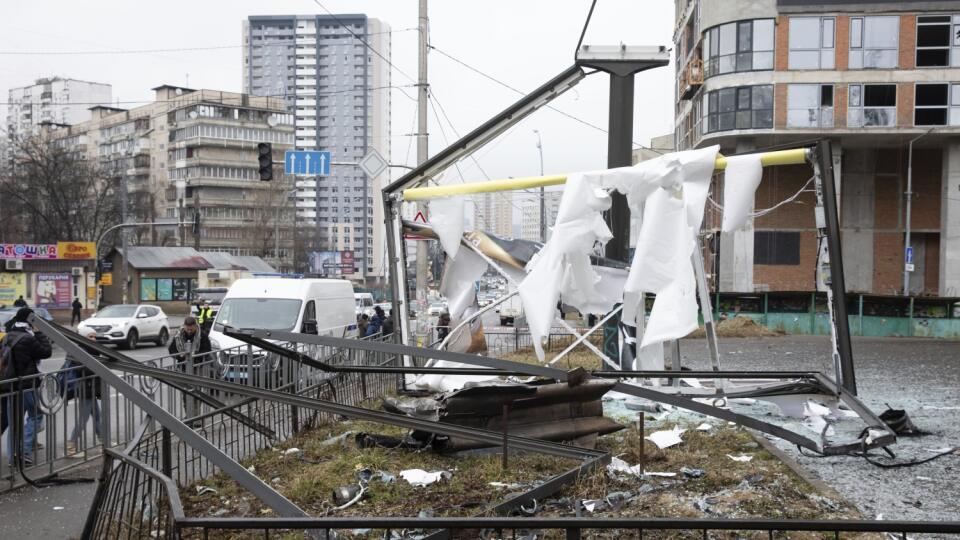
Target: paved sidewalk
x,y
29,513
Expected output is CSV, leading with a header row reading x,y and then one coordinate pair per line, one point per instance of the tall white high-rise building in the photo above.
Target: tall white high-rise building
x,y
333,73
493,213
52,100
530,217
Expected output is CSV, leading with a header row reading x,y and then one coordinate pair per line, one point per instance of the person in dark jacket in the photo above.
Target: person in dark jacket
x,y
189,340
75,314
363,321
86,388
376,322
20,302
28,346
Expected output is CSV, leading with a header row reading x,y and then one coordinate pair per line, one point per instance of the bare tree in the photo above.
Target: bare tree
x,y
272,213
52,193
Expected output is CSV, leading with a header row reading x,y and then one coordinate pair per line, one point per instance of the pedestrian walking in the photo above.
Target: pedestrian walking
x,y
80,383
20,302
20,353
75,314
443,327
376,322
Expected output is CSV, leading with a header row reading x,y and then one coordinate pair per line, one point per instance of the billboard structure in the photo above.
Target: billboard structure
x,y
331,263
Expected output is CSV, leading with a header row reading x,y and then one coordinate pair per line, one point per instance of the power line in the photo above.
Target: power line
x,y
518,91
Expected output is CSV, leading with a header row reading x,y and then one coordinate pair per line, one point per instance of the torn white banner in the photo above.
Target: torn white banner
x,y
420,477
459,278
446,218
563,264
743,458
740,181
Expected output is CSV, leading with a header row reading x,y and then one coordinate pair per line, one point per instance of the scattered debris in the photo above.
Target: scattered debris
x,y
666,438
618,465
690,472
661,474
290,451
58,508
704,427
205,489
743,458
420,477
339,439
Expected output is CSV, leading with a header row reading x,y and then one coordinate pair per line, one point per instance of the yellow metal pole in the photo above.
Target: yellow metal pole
x,y
768,159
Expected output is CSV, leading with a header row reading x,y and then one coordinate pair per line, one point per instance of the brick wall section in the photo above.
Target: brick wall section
x,y
888,185
887,261
927,182
782,45
908,42
840,106
842,43
778,184
780,106
798,277
905,100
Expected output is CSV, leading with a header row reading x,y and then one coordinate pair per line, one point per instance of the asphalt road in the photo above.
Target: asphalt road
x,y
921,376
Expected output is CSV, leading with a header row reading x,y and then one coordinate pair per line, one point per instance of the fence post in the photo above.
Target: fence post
x,y
166,455
573,534
191,404
106,433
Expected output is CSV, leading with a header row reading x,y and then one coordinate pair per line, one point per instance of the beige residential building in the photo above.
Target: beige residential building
x,y
196,151
493,213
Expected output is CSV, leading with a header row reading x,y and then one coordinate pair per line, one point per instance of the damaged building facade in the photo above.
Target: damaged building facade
x,y
872,76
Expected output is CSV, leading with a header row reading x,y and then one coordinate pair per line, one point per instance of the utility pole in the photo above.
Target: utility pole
x,y
543,207
908,196
423,93
123,233
196,210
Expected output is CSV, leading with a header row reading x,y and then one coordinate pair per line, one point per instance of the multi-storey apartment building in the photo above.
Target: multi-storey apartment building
x,y
52,100
530,214
196,151
493,213
333,74
871,76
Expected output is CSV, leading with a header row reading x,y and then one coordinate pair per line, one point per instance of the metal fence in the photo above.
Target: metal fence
x,y
66,424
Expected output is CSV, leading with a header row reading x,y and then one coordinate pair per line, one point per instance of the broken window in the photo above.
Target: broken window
x,y
934,38
776,248
872,105
811,43
874,42
810,105
937,105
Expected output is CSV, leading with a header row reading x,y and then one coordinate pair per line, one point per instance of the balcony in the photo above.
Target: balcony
x,y
306,61
306,72
307,40
691,78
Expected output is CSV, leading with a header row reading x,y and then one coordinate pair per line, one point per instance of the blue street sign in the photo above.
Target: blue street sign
x,y
306,163
909,255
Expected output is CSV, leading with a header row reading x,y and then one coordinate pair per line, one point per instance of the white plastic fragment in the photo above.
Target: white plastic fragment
x,y
446,217
289,451
704,427
666,438
618,465
58,508
743,458
420,477
590,505
740,181
661,474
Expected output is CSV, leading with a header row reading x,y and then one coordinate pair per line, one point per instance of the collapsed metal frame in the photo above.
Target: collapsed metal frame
x,y
818,155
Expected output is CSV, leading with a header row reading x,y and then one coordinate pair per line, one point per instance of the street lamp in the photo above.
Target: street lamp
x,y
543,208
909,201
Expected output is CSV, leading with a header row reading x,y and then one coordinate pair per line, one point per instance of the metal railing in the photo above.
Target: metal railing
x,y
242,426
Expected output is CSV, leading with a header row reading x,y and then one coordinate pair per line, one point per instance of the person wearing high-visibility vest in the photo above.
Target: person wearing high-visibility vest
x,y
205,317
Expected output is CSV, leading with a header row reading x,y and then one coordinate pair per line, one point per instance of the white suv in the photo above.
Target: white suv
x,y
127,324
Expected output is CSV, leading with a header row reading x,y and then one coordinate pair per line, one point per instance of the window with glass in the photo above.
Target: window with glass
x,y
938,44
937,105
739,46
811,43
744,107
874,42
872,105
810,105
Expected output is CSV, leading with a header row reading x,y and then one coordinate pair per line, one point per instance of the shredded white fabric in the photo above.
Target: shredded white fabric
x,y
446,217
741,179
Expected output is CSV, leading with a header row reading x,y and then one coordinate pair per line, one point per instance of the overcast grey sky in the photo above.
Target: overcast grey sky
x,y
520,42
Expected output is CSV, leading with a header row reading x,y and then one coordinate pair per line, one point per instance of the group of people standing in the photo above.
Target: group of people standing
x,y
380,323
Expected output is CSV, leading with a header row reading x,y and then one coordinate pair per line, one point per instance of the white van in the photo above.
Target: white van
x,y
309,306
364,303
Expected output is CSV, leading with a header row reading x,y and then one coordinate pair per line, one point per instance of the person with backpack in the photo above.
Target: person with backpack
x,y
76,381
20,353
20,302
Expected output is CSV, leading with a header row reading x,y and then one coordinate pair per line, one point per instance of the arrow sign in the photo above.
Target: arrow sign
x,y
306,163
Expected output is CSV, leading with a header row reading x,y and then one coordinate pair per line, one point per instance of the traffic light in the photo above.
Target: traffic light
x,y
196,223
265,158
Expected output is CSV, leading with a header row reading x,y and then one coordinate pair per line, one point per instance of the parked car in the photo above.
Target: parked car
x,y
307,306
126,325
